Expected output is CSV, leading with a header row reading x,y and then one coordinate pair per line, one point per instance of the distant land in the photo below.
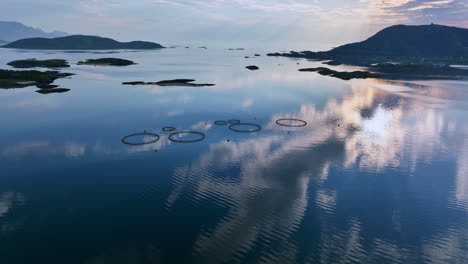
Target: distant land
x,y
2,42
400,51
399,43
12,31
80,42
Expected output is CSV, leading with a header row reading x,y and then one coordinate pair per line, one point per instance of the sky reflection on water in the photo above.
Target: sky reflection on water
x,y
379,174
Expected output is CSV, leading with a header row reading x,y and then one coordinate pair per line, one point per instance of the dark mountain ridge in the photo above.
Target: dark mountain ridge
x,y
80,42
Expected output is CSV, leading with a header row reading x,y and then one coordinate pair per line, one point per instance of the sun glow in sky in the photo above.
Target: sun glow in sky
x,y
286,24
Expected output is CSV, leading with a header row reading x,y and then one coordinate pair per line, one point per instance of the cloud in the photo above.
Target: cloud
x,y
291,24
433,4
175,113
247,103
28,148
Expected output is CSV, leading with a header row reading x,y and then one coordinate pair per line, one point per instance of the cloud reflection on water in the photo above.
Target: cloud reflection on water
x,y
266,182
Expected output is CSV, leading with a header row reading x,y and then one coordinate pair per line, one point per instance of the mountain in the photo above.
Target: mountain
x,y
411,41
11,31
80,42
400,43
2,42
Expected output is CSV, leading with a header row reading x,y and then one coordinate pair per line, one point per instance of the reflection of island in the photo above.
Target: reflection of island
x,y
275,189
402,50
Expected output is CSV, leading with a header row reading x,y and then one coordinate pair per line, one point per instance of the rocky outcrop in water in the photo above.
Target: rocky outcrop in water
x,y
175,82
341,75
252,67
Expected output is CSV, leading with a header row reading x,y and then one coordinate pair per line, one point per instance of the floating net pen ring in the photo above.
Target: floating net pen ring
x,y
234,121
281,122
125,139
233,127
220,123
173,135
168,129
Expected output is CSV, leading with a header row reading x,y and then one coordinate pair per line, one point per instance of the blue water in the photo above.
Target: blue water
x,y
378,175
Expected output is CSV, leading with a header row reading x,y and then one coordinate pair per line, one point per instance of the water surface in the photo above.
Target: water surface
x,y
379,174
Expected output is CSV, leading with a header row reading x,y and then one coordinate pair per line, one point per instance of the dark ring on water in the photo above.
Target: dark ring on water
x,y
220,123
258,128
140,134
304,123
168,129
186,141
234,121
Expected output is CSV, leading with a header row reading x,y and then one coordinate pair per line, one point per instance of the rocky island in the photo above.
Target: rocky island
x,y
252,67
341,75
54,90
80,42
33,63
107,62
20,79
175,82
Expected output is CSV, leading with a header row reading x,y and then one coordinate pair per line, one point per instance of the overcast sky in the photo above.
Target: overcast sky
x,y
286,24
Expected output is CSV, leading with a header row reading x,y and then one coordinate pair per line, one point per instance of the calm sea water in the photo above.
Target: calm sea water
x,y
378,175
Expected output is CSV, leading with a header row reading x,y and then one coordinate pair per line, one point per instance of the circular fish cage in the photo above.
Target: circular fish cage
x,y
220,123
291,122
140,139
167,129
238,127
173,137
234,121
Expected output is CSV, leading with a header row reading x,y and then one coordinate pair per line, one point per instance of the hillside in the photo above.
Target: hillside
x,y
80,42
2,42
12,31
415,41
400,43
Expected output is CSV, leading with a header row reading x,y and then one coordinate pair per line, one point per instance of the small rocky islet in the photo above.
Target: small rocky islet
x,y
175,82
107,62
341,75
50,91
34,63
252,67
